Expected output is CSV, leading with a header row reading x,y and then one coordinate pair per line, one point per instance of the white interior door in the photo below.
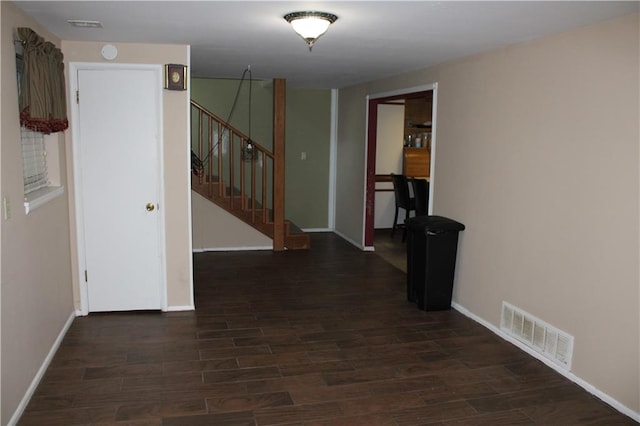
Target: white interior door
x,y
118,174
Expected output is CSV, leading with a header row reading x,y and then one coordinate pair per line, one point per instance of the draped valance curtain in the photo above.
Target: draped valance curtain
x,y
43,104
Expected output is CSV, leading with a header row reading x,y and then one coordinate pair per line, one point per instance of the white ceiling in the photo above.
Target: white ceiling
x,y
370,40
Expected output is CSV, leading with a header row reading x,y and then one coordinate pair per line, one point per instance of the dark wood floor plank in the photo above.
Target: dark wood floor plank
x,y
381,404
364,375
231,333
366,420
176,367
115,398
506,418
283,359
284,384
320,393
249,402
315,337
526,398
155,411
86,387
241,374
68,375
244,418
234,352
205,391
422,383
445,393
316,367
46,403
297,413
182,381
128,370
580,411
68,417
433,413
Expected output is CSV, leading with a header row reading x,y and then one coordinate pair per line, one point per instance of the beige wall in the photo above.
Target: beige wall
x,y
350,163
537,154
177,194
36,291
216,229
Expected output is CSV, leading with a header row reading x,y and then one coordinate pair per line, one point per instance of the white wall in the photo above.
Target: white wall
x,y
537,154
389,143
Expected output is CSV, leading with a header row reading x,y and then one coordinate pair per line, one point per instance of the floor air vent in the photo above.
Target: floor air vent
x,y
537,334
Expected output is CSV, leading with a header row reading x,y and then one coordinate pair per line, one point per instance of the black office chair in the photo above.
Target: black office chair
x,y
403,201
421,196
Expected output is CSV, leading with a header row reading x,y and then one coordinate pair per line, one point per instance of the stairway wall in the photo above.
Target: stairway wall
x,y
215,229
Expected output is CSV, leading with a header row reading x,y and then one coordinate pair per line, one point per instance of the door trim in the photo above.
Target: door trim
x,y
74,68
371,120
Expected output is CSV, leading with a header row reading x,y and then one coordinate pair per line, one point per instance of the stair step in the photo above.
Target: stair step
x,y
297,241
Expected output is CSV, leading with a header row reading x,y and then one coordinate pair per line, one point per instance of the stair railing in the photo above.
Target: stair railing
x,y
242,180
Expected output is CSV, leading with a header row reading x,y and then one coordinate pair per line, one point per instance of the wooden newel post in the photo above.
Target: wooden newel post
x,y
279,113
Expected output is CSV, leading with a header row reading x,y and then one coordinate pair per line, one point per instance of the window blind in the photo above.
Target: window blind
x,y
34,160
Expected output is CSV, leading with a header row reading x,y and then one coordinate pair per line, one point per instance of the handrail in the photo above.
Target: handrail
x,y
245,191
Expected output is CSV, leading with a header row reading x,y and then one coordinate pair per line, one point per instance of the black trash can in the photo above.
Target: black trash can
x,y
432,243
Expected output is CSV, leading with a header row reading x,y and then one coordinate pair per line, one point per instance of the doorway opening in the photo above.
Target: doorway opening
x,y
418,131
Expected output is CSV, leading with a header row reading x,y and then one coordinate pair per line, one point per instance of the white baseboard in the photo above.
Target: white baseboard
x,y
312,230
181,308
569,375
206,249
43,369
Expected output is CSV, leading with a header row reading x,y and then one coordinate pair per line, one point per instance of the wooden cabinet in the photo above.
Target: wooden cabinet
x,y
416,159
417,118
416,162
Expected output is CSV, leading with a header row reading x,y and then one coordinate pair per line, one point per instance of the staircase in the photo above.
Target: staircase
x,y
242,177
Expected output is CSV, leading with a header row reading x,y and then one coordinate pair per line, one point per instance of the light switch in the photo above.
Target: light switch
x,y
303,155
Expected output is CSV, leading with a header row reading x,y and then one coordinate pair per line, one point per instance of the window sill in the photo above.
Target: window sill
x,y
41,197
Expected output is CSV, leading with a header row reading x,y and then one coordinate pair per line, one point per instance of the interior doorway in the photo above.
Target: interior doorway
x,y
372,177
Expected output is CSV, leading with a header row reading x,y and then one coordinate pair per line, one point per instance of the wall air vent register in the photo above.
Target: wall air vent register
x,y
543,338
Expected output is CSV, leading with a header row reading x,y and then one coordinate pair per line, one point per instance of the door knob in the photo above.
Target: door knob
x,y
150,207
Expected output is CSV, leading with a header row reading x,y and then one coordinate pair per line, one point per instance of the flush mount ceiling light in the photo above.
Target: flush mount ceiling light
x,y
310,25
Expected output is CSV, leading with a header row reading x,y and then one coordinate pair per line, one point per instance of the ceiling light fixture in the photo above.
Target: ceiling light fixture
x,y
310,25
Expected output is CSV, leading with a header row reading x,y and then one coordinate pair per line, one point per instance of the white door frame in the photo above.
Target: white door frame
x,y
434,114
74,67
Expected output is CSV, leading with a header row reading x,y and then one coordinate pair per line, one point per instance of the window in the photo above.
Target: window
x,y
34,161
41,179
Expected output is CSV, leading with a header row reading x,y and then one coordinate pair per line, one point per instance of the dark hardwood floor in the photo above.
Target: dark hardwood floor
x,y
317,337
